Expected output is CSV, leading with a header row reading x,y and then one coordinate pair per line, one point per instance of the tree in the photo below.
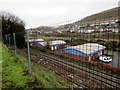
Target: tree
x,y
13,24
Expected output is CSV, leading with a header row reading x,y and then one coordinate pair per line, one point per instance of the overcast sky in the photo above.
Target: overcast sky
x,y
53,12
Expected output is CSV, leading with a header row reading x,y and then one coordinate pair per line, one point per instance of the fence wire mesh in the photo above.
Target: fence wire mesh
x,y
0,53
85,53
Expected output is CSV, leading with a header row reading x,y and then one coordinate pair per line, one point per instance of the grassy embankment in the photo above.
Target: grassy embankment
x,y
15,74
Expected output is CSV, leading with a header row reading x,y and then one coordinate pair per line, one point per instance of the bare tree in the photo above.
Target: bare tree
x,y
13,24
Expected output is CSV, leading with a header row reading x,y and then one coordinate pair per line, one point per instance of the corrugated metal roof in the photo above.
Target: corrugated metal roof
x,y
31,40
40,40
57,42
86,49
42,43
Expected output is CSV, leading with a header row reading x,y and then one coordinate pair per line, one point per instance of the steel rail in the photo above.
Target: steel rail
x,y
96,76
89,72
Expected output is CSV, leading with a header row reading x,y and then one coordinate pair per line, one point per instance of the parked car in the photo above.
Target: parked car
x,y
105,58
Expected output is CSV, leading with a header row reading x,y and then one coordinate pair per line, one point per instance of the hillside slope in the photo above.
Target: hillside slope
x,y
104,15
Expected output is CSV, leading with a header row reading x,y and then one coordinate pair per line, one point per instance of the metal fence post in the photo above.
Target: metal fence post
x,y
9,40
6,39
28,47
14,44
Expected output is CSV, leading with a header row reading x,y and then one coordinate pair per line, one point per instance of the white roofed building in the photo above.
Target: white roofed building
x,y
88,51
57,44
39,43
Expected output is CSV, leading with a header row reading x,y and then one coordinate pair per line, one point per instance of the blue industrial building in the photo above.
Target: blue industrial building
x,y
89,50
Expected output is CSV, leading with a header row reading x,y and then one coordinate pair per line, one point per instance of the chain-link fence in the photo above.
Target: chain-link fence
x,y
0,53
85,53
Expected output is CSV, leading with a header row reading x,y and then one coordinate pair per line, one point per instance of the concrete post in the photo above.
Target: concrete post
x,y
28,47
14,43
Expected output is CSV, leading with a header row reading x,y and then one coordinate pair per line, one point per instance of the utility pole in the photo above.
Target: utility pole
x,y
14,43
28,47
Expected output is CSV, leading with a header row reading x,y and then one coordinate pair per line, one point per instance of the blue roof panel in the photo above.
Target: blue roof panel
x,y
79,53
74,52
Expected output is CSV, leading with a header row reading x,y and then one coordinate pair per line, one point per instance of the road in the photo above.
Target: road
x,y
116,60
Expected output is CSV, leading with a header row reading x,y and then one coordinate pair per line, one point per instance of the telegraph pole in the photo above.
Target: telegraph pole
x,y
28,47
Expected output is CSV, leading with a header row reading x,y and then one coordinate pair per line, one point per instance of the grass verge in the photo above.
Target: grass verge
x,y
15,74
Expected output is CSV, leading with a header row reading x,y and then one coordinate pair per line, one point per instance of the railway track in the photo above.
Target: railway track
x,y
57,67
94,75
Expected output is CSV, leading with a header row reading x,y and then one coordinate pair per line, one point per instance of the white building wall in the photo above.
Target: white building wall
x,y
52,48
55,47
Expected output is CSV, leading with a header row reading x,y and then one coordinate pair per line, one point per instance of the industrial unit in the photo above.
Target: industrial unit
x,y
87,51
39,43
57,44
